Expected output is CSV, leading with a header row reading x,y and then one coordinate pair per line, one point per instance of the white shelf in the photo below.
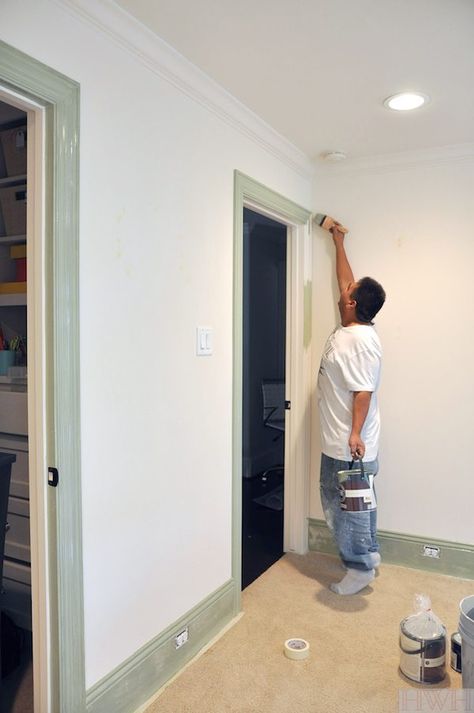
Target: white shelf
x,y
17,385
10,180
12,239
16,299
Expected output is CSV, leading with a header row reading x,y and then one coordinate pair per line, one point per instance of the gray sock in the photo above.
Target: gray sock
x,y
354,581
376,559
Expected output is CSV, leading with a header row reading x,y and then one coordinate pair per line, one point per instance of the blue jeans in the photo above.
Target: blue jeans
x,y
355,533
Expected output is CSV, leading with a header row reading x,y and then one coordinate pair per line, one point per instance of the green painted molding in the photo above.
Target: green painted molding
x,y
35,80
237,367
246,189
308,313
59,96
455,559
135,681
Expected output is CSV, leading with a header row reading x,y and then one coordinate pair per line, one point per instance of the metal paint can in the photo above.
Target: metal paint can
x,y
466,629
422,660
456,643
356,489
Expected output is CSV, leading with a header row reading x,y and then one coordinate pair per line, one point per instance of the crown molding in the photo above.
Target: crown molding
x,y
163,60
401,161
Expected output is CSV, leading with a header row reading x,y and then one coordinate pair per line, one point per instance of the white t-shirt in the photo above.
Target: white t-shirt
x,y
351,362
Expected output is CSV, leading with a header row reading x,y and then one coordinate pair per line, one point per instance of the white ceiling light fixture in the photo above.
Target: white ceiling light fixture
x,y
406,101
334,156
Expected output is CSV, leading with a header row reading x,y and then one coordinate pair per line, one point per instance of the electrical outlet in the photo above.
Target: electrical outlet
x,y
181,638
431,551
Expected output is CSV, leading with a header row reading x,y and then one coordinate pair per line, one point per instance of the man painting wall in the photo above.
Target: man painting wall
x,y
349,416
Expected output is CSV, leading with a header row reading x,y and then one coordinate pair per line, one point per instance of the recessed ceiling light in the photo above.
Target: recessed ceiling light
x,y
334,156
406,101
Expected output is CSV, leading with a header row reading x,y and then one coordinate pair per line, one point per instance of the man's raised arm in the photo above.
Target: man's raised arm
x,y
344,272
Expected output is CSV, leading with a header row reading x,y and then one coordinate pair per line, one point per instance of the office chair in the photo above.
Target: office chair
x,y
273,391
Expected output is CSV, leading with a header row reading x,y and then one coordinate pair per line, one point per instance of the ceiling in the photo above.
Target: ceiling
x,y
318,71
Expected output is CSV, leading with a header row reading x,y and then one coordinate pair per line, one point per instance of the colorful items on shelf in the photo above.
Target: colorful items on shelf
x,y
12,352
18,286
7,360
14,344
18,253
7,355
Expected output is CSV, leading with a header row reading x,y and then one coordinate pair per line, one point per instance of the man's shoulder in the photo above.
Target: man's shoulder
x,y
358,338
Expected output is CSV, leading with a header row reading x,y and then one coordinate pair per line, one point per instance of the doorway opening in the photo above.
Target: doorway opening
x,y
296,220
263,392
15,598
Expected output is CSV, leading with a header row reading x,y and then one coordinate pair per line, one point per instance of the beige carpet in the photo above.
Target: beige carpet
x,y
353,663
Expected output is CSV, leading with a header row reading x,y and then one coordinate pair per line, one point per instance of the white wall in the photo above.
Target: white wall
x,y
156,260
412,229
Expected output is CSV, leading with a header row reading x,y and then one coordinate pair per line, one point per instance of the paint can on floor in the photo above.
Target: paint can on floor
x,y
466,629
456,652
422,659
356,488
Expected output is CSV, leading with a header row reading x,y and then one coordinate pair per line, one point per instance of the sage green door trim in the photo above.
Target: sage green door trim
x,y
60,98
249,190
250,193
455,558
135,681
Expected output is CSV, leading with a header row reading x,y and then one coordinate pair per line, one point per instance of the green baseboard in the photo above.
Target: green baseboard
x,y
455,559
135,681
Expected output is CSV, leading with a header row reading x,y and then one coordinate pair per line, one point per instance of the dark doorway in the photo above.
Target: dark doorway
x,y
264,352
15,559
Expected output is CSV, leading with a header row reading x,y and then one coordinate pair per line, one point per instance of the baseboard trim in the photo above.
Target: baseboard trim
x,y
135,681
455,559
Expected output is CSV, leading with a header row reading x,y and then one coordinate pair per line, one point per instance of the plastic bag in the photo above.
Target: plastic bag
x,y
424,624
423,644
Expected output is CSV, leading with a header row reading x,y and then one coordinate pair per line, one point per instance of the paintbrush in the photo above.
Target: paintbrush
x,y
326,222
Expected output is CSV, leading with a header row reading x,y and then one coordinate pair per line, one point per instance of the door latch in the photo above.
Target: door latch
x,y
53,477
287,405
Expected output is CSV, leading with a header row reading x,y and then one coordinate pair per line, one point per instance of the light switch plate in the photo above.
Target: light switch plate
x,y
204,341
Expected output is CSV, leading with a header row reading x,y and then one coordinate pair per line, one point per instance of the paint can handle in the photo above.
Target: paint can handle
x,y
361,465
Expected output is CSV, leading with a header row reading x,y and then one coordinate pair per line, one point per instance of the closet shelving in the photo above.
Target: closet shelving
x,y
15,590
13,298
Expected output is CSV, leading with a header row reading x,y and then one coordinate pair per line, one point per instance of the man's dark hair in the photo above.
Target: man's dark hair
x,y
369,296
